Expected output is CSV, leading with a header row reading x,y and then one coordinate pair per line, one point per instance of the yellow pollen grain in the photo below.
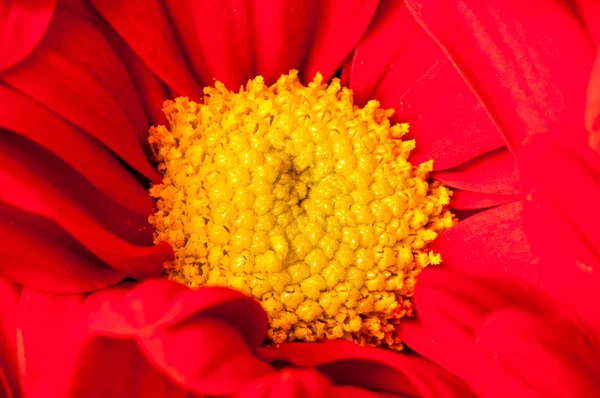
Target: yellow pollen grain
x,y
297,197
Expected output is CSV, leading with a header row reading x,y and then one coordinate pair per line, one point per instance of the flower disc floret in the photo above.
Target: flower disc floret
x,y
297,197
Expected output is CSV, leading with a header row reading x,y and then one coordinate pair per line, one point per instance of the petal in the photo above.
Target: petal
x,y
451,310
398,64
467,200
166,338
561,227
22,25
513,59
588,12
9,297
38,254
218,39
340,26
103,63
371,368
86,155
42,318
290,383
491,243
552,356
492,173
66,86
145,26
24,189
592,109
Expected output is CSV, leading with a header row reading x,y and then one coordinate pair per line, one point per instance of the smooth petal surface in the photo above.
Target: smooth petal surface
x,y
146,27
492,173
167,339
371,368
9,297
467,200
86,155
25,189
398,64
513,58
42,318
491,243
562,223
22,25
62,79
460,324
38,254
592,109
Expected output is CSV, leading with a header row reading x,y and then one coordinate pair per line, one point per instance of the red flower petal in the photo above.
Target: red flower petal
x,y
22,25
467,200
38,254
453,310
399,65
492,173
592,109
588,12
9,297
217,37
340,26
91,159
165,337
562,225
290,383
145,26
491,243
55,315
25,189
66,85
518,73
371,368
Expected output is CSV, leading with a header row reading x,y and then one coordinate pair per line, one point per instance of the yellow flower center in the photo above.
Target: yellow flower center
x,y
298,198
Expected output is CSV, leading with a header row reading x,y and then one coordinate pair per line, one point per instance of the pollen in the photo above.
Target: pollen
x,y
293,195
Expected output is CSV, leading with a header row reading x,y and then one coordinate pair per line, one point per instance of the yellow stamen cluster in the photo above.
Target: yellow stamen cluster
x,y
293,195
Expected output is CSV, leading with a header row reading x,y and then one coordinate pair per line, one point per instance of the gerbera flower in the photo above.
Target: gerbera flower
x,y
511,310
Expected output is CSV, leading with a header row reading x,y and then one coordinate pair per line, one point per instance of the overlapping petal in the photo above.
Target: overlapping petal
x,y
371,368
592,109
398,64
189,44
22,25
561,178
513,59
167,340
502,337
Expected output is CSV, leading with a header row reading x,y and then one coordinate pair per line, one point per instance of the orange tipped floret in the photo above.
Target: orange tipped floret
x,y
293,195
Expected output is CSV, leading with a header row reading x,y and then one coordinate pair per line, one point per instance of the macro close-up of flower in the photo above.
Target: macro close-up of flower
x,y
299,198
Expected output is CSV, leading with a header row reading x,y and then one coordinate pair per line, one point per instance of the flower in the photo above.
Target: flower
x,y
510,311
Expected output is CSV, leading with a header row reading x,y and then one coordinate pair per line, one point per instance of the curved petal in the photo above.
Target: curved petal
x,y
22,25
371,368
73,36
9,297
398,64
468,200
492,173
562,228
289,382
24,189
513,59
66,86
592,108
38,254
90,158
145,26
453,308
42,318
184,344
588,12
340,26
491,243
